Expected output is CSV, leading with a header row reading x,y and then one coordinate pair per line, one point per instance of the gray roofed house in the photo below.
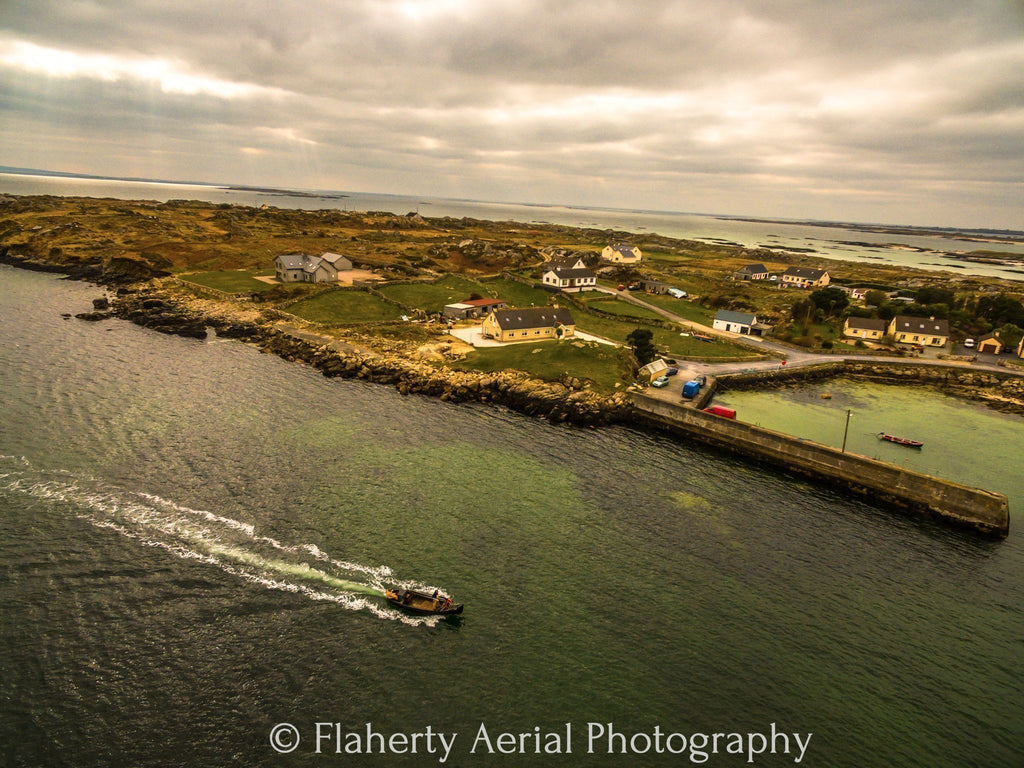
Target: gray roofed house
x,y
864,327
301,267
805,277
925,331
569,275
529,323
751,272
739,322
337,260
621,253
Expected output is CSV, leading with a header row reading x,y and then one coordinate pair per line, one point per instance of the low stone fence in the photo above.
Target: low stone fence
x,y
981,510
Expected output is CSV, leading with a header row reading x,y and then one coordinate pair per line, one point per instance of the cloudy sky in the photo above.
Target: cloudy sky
x,y
898,111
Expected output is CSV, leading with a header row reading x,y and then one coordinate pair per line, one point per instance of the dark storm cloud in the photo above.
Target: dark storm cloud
x,y
577,100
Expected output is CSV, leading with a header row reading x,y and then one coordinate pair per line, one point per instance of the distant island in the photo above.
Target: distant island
x,y
951,233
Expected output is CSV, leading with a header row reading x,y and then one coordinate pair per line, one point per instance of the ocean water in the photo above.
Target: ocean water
x,y
829,242
195,537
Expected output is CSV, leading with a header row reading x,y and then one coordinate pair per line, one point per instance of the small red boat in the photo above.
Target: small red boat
x,y
901,440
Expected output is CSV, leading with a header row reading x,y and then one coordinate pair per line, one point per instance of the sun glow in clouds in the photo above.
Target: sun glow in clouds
x,y
168,76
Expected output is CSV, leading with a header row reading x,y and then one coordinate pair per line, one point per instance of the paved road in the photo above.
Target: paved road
x,y
793,358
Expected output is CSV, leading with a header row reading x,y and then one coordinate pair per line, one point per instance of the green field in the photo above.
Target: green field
x,y
600,364
516,294
624,308
686,309
668,342
432,297
232,280
343,307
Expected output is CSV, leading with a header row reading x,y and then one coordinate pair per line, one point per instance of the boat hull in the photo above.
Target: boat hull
x,y
421,603
901,440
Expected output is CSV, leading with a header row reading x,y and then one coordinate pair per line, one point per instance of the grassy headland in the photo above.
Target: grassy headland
x,y
425,263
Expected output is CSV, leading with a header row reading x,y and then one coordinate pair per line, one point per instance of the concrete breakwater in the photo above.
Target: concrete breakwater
x,y
981,510
1000,390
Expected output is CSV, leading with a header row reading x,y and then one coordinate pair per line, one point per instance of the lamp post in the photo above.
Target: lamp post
x,y
846,431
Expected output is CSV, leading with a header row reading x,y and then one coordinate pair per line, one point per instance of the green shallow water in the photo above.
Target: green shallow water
x,y
963,441
195,537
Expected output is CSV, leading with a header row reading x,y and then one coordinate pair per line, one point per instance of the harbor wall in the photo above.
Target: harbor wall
x,y
1001,390
961,505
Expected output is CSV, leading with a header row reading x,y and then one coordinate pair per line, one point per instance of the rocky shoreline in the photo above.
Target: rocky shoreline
x,y
155,308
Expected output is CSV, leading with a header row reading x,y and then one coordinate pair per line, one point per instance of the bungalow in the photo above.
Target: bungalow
x,y
805,277
652,370
751,272
621,254
569,276
1020,349
529,324
925,331
472,308
867,328
990,344
654,286
303,268
734,322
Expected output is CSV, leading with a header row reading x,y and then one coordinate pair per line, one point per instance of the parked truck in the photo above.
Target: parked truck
x,y
691,389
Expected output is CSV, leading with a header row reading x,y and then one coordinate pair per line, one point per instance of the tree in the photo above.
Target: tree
x,y
932,294
1001,309
830,299
1010,335
640,340
875,298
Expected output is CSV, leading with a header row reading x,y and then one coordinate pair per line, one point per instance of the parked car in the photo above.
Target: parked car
x,y
622,287
701,379
661,381
968,343
671,371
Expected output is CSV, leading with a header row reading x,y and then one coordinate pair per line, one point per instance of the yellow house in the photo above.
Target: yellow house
x,y
621,254
805,277
924,331
866,328
529,324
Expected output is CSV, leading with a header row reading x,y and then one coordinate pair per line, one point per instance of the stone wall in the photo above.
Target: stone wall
x,y
1002,390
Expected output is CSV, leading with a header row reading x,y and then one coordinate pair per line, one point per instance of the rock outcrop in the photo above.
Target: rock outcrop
x,y
560,402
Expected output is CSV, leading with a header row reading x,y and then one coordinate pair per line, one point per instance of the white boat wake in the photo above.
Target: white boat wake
x,y
230,545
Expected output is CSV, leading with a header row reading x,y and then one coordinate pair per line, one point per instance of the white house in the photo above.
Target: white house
x,y
734,322
569,276
621,254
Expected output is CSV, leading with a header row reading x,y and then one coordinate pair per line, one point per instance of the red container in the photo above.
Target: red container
x,y
721,410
